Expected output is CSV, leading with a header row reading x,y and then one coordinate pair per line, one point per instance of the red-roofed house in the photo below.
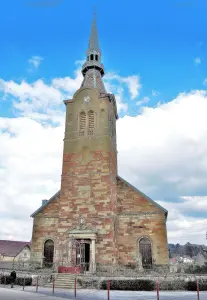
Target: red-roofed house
x,y
14,250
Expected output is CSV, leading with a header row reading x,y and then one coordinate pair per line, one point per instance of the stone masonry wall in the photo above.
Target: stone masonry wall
x,y
138,217
44,227
89,194
91,189
88,184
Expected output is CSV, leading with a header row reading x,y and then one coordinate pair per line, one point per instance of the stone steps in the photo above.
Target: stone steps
x,y
65,281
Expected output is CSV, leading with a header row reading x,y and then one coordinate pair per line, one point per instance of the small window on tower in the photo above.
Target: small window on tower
x,y
96,57
91,122
91,56
82,123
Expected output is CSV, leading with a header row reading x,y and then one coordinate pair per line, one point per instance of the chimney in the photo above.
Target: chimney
x,y
44,202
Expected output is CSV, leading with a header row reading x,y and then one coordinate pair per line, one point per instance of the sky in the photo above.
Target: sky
x,y
155,58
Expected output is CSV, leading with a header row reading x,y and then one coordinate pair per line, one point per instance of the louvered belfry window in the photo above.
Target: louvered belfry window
x,y
91,122
82,121
86,123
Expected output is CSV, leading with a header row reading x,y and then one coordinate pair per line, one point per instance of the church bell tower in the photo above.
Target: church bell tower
x,y
89,170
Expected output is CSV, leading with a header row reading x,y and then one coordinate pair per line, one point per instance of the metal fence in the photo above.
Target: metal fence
x,y
104,288
31,276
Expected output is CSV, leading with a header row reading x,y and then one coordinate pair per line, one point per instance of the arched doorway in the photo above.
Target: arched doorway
x,y
48,253
145,250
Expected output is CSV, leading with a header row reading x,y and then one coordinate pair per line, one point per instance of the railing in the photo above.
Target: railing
x,y
92,63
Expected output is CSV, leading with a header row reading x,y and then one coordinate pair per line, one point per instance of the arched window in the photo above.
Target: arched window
x,y
82,123
96,57
91,56
145,250
48,252
91,122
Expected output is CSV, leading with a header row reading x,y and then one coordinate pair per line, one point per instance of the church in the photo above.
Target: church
x,y
96,218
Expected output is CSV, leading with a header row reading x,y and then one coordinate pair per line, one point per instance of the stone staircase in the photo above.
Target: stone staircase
x,y
65,281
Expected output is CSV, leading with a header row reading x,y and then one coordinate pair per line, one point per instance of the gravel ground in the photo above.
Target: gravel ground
x,y
29,293
17,294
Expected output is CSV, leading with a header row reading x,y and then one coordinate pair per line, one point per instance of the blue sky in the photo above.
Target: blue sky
x,y
157,39
154,53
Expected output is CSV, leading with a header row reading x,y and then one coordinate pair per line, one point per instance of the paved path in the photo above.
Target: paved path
x,y
17,294
46,294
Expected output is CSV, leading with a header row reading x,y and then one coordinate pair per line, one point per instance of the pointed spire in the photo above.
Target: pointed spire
x,y
93,69
93,41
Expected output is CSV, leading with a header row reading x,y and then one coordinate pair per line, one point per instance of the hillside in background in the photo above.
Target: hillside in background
x,y
187,249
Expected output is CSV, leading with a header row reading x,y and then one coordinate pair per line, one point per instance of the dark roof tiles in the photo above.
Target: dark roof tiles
x,y
12,248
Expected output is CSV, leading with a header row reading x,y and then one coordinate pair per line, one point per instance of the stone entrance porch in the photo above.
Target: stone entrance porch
x,y
82,248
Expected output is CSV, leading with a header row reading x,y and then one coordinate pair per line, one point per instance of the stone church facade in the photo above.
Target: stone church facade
x,y
97,217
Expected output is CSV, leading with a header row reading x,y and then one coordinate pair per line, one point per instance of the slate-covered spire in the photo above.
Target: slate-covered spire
x,y
93,69
93,41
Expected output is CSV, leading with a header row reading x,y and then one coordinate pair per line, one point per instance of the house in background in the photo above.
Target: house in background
x,y
13,251
173,264
186,259
201,258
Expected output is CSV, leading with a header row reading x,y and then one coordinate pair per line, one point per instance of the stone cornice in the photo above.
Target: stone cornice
x,y
68,101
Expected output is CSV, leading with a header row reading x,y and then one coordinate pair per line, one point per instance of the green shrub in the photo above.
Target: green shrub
x,y
181,285
129,285
6,279
175,285
149,285
196,269
24,281
192,285
88,283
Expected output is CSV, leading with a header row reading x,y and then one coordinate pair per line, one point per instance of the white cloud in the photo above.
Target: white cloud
x,y
118,91
172,132
155,93
197,60
132,82
35,61
30,164
37,100
41,101
145,100
121,106
162,151
134,85
116,85
182,228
